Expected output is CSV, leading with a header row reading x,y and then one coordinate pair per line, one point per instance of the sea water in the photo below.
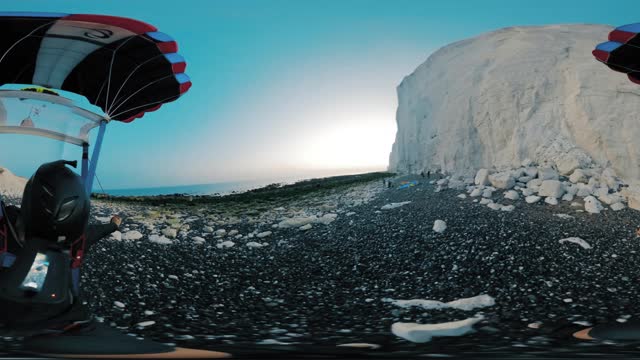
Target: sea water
x,y
221,188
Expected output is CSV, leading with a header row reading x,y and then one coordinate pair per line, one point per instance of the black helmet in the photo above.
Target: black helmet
x,y
55,205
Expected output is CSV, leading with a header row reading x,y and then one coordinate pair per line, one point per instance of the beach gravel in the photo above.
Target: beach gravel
x,y
325,286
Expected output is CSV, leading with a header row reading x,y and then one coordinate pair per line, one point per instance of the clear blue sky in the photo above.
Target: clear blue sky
x,y
285,87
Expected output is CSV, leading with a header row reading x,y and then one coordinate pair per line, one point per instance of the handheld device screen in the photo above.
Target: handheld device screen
x,y
34,281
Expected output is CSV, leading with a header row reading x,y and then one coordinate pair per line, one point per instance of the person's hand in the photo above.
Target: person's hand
x,y
116,220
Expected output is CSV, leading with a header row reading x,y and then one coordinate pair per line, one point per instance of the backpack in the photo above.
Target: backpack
x,y
7,258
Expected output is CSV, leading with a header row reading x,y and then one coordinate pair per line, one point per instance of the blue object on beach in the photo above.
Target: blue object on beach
x,y
407,184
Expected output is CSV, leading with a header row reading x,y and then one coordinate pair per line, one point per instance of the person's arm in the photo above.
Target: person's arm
x,y
99,231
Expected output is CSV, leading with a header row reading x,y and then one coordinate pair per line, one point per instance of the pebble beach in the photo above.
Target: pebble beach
x,y
353,268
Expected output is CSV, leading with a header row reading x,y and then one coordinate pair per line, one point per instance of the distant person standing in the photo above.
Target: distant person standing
x,y
429,174
422,174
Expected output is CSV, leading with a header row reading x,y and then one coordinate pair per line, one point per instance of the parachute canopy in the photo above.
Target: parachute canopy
x,y
124,66
622,51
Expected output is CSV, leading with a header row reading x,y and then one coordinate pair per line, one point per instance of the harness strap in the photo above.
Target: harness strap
x,y
6,258
77,255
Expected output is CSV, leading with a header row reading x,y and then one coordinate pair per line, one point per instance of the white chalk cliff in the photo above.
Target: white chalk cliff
x,y
514,94
11,185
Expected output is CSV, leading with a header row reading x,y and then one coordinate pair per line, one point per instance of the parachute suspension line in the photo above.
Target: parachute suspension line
x,y
147,104
100,92
25,37
100,184
631,45
137,91
113,57
115,98
622,67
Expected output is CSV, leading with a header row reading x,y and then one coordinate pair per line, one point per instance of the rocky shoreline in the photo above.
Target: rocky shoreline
x,y
337,267
591,189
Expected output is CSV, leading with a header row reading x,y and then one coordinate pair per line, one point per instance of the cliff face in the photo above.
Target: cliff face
x,y
11,185
514,94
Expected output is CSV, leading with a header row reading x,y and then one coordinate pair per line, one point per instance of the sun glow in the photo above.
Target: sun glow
x,y
356,144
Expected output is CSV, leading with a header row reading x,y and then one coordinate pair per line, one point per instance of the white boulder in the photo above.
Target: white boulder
x,y
608,177
531,172
524,179
482,177
485,201
394,205
145,323
225,244
551,200
551,188
577,240
456,184
547,174
116,235
170,232
132,235
568,161
160,239
198,240
476,192
297,221
534,184
527,192
632,194
571,189
592,205
327,219
421,333
578,176
517,173
511,195
617,206
465,304
494,206
610,199
502,180
439,226
584,190
601,191
532,199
